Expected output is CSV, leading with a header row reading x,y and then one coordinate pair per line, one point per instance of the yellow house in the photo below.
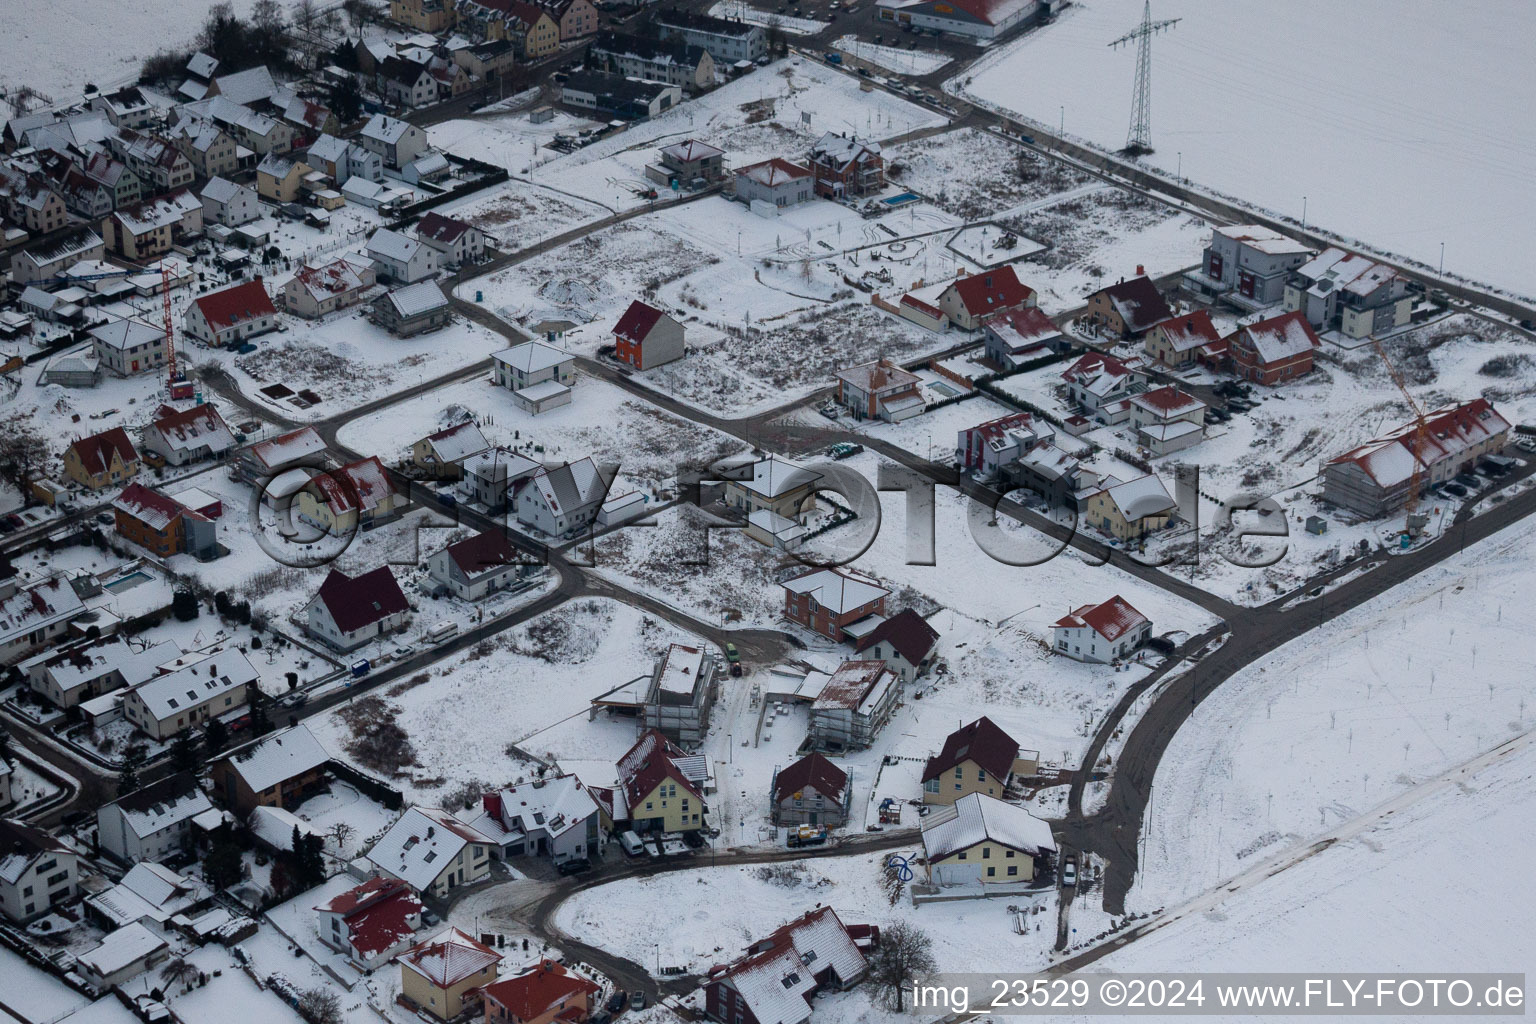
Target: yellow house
x,y
979,841
102,460
281,178
1131,510
444,975
541,34
658,796
357,494
423,15
977,758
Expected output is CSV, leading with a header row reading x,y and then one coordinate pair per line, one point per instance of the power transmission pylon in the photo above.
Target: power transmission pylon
x,y
1139,139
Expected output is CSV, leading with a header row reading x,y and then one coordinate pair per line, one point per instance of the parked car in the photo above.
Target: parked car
x,y
618,1001
693,839
104,518
732,655
574,866
1456,489
1468,480
630,843
1069,873
637,999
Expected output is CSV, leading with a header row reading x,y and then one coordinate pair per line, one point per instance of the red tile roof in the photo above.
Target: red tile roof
x,y
531,994
439,228
248,301
1167,400
379,914
355,602
1111,620
982,742
1190,330
921,306
908,633
646,764
774,172
637,322
1138,302
95,452
992,291
812,772
150,507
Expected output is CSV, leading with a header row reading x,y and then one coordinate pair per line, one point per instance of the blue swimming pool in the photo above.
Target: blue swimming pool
x,y
126,581
904,198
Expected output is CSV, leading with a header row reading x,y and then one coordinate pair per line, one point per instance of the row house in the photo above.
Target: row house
x,y
229,203
51,259
727,41
341,160
82,196
212,151
673,62
86,669
531,30
577,19
188,697
126,188
159,165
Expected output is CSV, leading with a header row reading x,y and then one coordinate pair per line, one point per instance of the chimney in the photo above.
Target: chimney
x,y
1141,271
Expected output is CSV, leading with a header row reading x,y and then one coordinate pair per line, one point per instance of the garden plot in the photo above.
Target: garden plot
x,y
976,175
893,58
602,421
722,910
509,692
522,215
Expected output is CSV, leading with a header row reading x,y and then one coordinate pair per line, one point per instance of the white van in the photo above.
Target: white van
x,y
440,632
630,843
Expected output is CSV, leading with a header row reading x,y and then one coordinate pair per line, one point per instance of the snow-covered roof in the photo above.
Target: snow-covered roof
x,y
775,172
1112,619
121,950
162,805
338,277
191,429
37,607
679,669
278,757
247,86
531,356
328,148
363,486
287,449
839,150
385,129
1263,239
220,673
274,826
417,299
880,375
690,150
554,806
78,664
778,973
449,958
1335,269
855,685
151,891
775,525
1281,337
1141,497
222,190
126,333
421,844
570,487
771,476
1167,401
977,818
834,590
1390,460
20,845
387,243
457,442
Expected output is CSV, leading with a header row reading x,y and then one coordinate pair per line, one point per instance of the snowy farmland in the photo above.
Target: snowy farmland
x,y
1402,152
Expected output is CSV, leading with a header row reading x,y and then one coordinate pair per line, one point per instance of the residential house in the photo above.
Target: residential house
x,y
101,167
188,435
401,258
853,706
657,796
555,817
372,922
405,83
432,851
976,758
1273,351
29,201
51,259
122,956
440,455
458,241
348,611
265,459
879,390
341,160
905,642
253,85
432,16
154,823
85,669
1102,633
488,61
1022,335
319,290
835,603
563,500
577,18
846,167
491,477
188,697
149,893
1246,265
782,487
776,182
476,567
410,310
646,337
1348,292
544,993
1127,309
37,872
212,151
154,160
727,41
1377,478
281,178
538,375
682,689
228,203
83,196
280,769
162,525
628,99
125,108
101,460
980,840
971,300
1167,420
234,314
396,142
674,62
149,228
358,495
988,447
1181,341
1131,509
309,119
33,617
257,132
444,976
811,791
1103,386
775,980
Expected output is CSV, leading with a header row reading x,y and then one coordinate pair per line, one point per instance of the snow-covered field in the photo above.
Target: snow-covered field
x,y
893,58
1270,110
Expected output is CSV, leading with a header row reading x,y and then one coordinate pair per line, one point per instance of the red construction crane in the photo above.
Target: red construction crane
x,y
1420,434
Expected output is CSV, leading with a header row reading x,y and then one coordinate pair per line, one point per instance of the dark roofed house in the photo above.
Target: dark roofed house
x,y
1273,351
629,99
37,872
645,337
846,166
774,981
657,796
349,611
674,61
371,922
905,642
811,791
1128,309
102,459
281,769
459,242
977,758
476,566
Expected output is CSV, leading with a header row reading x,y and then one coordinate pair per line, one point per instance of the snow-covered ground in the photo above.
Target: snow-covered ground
x,y
893,58
1274,112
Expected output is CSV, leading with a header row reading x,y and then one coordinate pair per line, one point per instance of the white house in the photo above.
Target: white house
x,y
371,922
554,817
349,611
396,142
37,872
233,315
1167,420
401,258
33,617
905,642
457,241
148,892
229,203
155,822
1102,633
433,852
1103,386
188,697
475,567
538,375
189,435
562,500
126,346
122,956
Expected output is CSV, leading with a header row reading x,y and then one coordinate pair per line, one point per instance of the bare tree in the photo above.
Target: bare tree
x,y
179,972
23,451
357,14
905,953
267,15
320,1006
305,14
341,832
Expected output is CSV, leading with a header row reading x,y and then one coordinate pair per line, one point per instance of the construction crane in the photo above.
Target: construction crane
x,y
176,382
1414,522
1139,139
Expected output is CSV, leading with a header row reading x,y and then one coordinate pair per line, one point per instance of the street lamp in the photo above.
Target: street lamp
x,y
1442,259
1179,174
1303,213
